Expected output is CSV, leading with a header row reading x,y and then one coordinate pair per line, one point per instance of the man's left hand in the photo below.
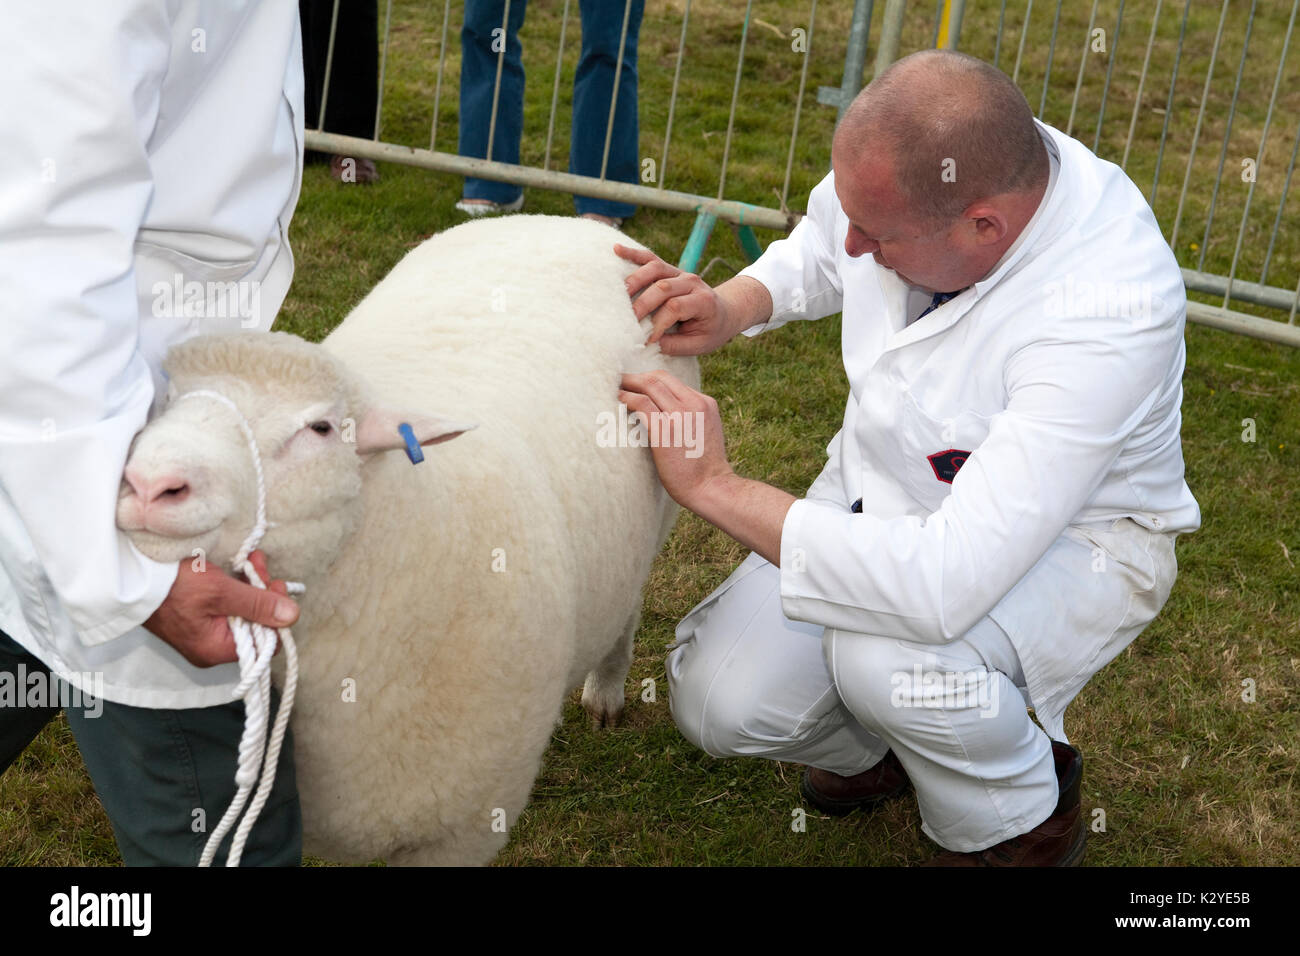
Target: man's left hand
x,y
692,461
688,447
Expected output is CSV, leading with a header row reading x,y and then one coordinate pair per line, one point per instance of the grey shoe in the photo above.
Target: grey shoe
x,y
486,207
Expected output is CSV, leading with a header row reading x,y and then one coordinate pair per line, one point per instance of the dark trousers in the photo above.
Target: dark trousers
x,y
165,777
354,73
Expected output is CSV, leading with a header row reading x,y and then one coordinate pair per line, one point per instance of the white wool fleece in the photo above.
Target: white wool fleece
x,y
439,638
522,325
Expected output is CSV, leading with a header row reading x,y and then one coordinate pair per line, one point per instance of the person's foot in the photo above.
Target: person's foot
x,y
347,169
1057,841
613,221
835,795
486,207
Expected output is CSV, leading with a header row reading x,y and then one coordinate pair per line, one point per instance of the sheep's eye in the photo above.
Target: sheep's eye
x,y
322,428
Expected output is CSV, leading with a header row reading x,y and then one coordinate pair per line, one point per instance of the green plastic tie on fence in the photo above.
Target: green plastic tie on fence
x,y
694,251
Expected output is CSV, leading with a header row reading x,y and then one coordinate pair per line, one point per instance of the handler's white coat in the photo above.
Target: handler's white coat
x,y
1071,416
144,141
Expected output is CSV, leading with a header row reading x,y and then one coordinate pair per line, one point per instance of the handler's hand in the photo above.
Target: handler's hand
x,y
688,455
193,617
670,296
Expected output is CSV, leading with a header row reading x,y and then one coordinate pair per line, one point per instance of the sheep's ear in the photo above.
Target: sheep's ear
x,y
378,430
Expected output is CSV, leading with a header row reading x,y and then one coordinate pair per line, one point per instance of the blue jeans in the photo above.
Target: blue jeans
x,y
593,84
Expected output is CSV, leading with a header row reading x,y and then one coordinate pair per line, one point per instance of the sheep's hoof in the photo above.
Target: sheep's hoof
x,y
606,721
605,709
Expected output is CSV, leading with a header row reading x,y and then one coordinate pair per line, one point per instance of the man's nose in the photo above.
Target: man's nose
x,y
856,244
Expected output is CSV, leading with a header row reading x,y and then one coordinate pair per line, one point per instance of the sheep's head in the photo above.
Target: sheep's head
x,y
190,483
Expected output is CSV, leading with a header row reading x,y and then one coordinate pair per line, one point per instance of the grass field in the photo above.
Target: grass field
x,y
1186,770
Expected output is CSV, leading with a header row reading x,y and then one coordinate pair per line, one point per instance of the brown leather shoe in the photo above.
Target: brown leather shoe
x,y
835,795
1057,841
360,170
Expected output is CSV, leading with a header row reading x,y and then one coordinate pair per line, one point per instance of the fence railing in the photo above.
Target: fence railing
x,y
1208,87
708,209
1163,62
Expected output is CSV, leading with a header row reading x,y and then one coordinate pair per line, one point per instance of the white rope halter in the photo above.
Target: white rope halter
x,y
255,644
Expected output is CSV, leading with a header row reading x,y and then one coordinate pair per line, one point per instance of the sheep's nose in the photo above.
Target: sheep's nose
x,y
157,489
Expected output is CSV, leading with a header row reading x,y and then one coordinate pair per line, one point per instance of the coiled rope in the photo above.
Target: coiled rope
x,y
255,644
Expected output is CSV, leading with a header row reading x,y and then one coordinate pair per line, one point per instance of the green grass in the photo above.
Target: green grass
x,y
1185,770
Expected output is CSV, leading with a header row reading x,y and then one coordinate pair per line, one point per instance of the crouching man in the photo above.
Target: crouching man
x,y
996,517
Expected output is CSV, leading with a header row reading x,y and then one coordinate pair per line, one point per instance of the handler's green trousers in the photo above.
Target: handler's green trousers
x,y
165,777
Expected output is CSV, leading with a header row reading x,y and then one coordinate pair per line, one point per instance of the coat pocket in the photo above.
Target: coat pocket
x,y
1145,557
190,266
933,450
207,294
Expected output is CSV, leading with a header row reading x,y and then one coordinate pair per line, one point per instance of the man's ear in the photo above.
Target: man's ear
x,y
377,430
990,222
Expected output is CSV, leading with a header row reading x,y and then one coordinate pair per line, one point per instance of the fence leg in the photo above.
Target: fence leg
x,y
855,58
748,242
694,251
950,24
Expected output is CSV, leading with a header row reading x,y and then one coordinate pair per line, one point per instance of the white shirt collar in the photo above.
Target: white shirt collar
x,y
1053,174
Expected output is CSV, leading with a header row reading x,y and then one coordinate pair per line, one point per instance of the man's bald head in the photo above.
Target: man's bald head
x,y
940,111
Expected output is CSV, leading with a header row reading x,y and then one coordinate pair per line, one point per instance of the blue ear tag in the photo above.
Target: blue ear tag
x,y
413,449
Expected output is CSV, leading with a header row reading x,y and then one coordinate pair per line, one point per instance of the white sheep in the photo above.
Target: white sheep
x,y
450,606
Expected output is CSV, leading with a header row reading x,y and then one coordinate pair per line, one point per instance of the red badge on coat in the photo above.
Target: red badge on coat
x,y
946,464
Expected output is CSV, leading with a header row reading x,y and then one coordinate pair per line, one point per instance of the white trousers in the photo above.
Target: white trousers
x,y
746,681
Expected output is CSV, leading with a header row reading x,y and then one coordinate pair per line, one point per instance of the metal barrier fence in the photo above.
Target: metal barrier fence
x,y
708,209
1179,54
1174,50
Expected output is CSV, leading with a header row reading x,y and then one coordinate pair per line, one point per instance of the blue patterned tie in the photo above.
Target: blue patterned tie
x,y
939,299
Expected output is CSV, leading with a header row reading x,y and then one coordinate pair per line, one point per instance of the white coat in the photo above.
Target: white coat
x,y
148,145
1043,398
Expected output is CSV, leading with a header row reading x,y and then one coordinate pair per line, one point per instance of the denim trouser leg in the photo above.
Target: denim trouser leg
x,y
593,87
478,70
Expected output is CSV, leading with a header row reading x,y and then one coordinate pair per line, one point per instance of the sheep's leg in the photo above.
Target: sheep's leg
x,y
474,847
476,838
602,693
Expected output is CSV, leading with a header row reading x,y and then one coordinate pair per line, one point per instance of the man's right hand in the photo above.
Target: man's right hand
x,y
705,318
193,617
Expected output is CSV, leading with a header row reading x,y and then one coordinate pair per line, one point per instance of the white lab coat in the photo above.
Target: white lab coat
x,y
1069,412
147,144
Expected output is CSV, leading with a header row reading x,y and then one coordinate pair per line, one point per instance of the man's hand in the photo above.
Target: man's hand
x,y
193,617
706,318
697,474
688,446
